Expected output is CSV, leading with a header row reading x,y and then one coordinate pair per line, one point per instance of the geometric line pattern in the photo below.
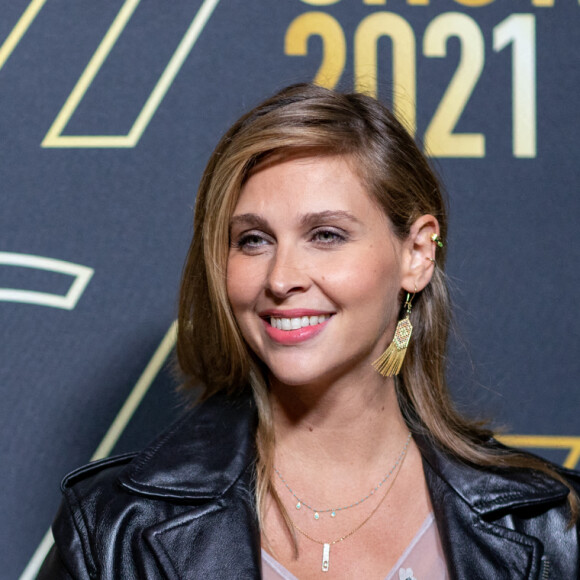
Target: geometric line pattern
x,y
54,137
82,276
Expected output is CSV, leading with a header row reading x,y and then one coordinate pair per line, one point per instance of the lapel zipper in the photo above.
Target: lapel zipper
x,y
545,569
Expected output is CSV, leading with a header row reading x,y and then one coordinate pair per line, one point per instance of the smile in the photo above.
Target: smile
x,y
297,323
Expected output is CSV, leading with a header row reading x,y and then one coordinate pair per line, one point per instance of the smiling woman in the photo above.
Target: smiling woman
x,y
315,312
303,235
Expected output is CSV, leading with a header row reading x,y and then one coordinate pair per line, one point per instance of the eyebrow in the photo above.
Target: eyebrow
x,y
308,219
248,220
329,215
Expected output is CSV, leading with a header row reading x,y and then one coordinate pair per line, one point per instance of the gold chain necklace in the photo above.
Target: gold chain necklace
x,y
326,545
333,511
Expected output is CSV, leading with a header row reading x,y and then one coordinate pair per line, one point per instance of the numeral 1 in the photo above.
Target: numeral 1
x,y
519,30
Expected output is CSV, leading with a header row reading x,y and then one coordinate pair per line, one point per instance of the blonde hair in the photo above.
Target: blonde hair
x,y
307,119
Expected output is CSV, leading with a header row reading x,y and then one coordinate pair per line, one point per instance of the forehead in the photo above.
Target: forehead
x,y
306,184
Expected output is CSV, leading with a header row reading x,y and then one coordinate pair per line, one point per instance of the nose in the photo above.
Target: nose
x,y
288,273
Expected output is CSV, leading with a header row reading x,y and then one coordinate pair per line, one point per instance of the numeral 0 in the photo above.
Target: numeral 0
x,y
440,138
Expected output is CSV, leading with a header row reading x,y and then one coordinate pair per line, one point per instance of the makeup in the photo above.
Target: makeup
x,y
294,326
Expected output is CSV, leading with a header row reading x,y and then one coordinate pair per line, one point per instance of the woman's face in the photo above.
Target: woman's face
x,y
314,272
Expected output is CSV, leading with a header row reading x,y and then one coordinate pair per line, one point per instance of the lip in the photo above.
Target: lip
x,y
293,313
290,337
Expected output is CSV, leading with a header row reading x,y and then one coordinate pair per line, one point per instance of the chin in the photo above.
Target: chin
x,y
296,373
294,378
311,372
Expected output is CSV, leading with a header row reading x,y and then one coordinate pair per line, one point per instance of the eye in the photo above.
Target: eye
x,y
250,242
329,236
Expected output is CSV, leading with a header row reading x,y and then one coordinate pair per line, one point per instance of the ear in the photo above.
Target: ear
x,y
418,253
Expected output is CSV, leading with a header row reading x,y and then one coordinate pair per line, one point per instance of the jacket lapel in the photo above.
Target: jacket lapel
x,y
217,540
476,549
469,502
205,461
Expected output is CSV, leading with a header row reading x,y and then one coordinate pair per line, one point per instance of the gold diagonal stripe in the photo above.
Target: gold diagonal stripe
x,y
113,433
547,442
137,394
19,30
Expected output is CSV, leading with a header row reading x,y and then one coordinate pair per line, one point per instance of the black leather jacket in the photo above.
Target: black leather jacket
x,y
184,509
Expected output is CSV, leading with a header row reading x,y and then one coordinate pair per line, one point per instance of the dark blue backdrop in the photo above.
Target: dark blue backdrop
x,y
108,113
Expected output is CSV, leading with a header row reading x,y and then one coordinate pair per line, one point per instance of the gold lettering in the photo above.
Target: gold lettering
x,y
320,2
474,3
519,31
366,74
333,44
440,140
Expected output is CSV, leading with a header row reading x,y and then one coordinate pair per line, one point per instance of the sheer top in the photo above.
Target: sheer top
x,y
422,559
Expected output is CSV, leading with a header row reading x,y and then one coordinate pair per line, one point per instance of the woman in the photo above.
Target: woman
x,y
314,309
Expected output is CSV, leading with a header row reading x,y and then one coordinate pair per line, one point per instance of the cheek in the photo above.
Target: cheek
x,y
234,284
364,276
242,284
369,289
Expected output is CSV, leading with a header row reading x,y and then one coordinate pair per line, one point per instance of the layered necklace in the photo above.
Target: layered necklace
x,y
333,511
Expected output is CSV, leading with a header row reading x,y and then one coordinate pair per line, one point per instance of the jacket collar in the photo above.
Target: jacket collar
x,y
490,490
201,456
212,448
204,454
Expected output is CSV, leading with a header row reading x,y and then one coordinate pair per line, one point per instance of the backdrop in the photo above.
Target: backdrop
x,y
108,113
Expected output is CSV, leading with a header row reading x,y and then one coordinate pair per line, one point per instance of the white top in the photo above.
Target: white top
x,y
422,560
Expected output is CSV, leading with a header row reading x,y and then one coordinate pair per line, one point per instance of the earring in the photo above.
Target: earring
x,y
436,240
391,361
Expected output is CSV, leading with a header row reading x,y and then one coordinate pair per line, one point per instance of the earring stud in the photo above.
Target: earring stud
x,y
436,240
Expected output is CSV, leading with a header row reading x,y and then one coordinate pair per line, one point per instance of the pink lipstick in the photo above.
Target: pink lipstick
x,y
294,326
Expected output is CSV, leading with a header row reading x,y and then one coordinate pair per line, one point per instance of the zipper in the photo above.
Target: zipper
x,y
545,569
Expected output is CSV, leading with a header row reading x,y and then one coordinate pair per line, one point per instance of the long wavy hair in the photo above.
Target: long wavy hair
x,y
310,120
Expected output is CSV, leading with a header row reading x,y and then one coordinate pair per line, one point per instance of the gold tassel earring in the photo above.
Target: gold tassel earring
x,y
391,361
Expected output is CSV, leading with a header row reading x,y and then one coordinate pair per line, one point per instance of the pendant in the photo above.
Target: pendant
x,y
298,505
316,515
325,557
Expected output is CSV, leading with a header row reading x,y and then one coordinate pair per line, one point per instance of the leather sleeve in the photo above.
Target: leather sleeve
x,y
68,559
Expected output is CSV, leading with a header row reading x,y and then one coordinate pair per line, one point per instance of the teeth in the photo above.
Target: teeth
x,y
296,323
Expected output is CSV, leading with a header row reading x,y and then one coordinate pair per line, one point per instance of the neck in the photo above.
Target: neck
x,y
322,426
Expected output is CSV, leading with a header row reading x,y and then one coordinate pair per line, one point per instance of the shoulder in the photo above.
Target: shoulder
x,y
114,509
497,487
198,456
507,519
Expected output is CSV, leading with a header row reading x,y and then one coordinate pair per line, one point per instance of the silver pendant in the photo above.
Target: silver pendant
x,y
325,557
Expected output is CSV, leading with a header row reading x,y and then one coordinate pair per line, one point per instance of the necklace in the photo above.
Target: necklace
x,y
326,545
333,511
